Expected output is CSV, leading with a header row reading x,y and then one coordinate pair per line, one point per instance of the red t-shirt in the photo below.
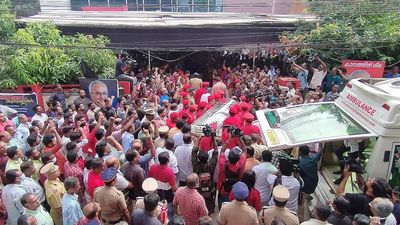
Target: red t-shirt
x,y
91,143
230,121
232,167
94,181
198,95
254,199
250,129
60,159
162,173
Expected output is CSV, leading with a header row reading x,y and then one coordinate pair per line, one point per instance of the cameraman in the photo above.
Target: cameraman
x,y
372,188
353,147
122,69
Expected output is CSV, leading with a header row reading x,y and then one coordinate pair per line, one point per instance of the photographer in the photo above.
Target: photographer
x,y
372,188
122,69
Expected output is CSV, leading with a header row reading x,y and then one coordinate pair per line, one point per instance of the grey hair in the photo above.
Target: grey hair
x,y
382,206
94,83
70,182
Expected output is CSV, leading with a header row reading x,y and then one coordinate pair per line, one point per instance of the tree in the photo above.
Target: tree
x,y
349,29
7,24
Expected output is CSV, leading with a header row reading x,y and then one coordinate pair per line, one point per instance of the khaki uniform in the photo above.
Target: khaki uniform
x,y
269,213
112,203
237,213
54,192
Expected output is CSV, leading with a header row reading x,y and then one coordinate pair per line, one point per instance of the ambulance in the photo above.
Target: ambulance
x,y
366,109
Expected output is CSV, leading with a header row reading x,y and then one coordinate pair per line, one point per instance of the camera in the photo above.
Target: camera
x,y
131,62
234,131
356,166
258,94
208,131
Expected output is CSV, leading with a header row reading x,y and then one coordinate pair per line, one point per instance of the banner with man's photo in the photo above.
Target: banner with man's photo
x,y
18,103
363,69
99,89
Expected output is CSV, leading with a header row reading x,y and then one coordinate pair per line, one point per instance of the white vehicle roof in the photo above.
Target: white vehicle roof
x,y
362,110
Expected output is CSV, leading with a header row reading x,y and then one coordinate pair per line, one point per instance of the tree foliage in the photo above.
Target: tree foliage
x,y
349,29
7,24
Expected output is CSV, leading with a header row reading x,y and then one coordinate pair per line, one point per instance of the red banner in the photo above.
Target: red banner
x,y
364,69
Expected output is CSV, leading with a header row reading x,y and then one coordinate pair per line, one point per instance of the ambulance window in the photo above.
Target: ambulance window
x,y
396,83
315,122
394,175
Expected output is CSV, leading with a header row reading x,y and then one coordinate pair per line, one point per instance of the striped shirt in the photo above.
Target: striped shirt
x,y
191,205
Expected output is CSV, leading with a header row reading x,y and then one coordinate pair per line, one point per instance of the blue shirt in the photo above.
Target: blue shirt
x,y
144,163
164,97
302,76
127,140
141,217
71,210
331,80
390,75
309,172
59,96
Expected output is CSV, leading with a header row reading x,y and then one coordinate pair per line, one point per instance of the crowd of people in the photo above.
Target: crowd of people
x,y
134,160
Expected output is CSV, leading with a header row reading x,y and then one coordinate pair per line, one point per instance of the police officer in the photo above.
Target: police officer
x,y
112,201
238,211
54,191
280,194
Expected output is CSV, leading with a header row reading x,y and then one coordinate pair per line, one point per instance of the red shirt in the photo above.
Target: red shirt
x,y
254,199
60,159
162,173
170,123
198,95
94,181
232,167
230,121
250,129
91,143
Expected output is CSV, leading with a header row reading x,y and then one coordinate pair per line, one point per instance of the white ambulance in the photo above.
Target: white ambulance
x,y
366,109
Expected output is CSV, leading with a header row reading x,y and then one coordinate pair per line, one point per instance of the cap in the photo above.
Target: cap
x,y
185,102
109,174
186,86
184,94
248,116
217,96
193,108
243,106
280,193
202,104
150,111
240,191
49,168
205,84
233,110
174,115
211,97
149,185
163,130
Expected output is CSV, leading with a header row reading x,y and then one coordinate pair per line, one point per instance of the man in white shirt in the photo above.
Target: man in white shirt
x,y
169,147
22,132
11,196
318,76
262,171
286,179
39,115
183,155
204,97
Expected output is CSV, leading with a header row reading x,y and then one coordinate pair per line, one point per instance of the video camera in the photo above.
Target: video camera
x,y
131,62
356,165
208,131
234,131
258,94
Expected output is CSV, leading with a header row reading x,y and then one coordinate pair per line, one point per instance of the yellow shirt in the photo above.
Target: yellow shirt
x,y
13,164
54,192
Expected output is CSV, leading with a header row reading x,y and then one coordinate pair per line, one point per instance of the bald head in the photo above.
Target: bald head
x,y
191,180
111,162
90,210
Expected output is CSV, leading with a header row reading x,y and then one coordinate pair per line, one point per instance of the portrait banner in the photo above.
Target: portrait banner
x,y
364,69
22,103
99,89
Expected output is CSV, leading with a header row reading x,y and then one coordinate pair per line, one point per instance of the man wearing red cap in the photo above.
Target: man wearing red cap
x,y
248,128
202,90
171,121
232,120
201,109
211,102
192,113
185,109
244,108
219,86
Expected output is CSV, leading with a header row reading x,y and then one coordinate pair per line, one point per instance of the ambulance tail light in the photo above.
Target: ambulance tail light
x,y
349,85
386,106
